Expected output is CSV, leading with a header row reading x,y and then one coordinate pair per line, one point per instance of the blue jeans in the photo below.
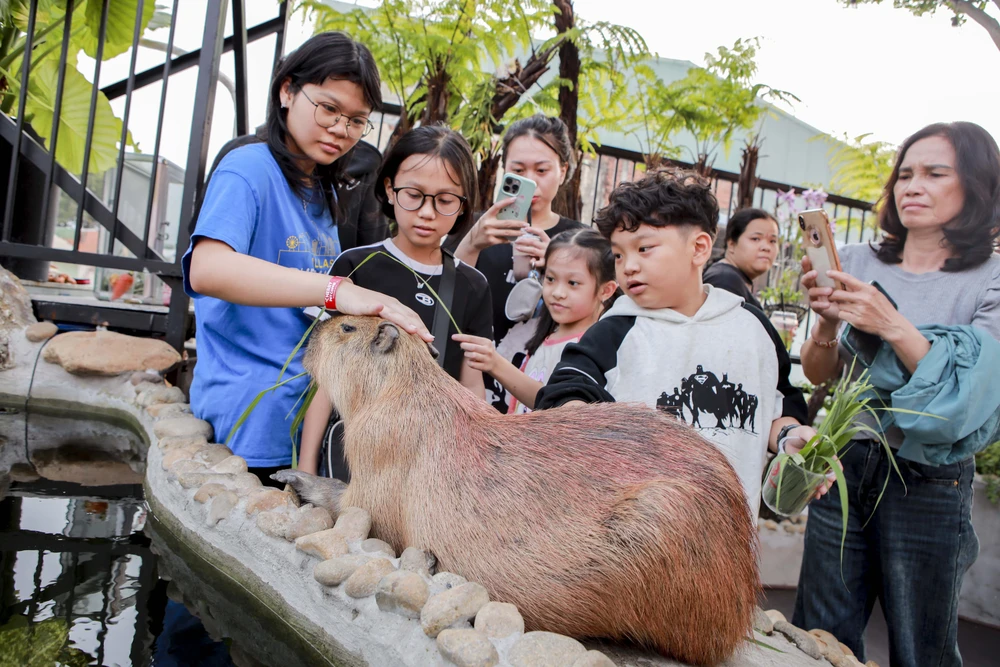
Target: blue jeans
x,y
911,556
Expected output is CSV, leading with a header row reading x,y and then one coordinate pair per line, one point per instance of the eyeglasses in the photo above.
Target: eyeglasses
x,y
327,115
445,203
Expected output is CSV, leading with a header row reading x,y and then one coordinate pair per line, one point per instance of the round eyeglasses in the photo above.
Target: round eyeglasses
x,y
327,115
445,203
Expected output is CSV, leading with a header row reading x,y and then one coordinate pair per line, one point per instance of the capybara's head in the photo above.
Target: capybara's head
x,y
358,359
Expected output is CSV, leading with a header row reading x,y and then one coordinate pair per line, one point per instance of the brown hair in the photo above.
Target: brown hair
x,y
972,235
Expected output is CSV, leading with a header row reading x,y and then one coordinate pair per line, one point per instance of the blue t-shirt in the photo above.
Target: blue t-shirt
x,y
241,349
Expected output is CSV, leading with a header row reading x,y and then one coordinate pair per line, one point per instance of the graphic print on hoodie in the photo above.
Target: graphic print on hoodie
x,y
723,371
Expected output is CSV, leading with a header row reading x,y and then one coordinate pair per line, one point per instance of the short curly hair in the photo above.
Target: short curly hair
x,y
661,199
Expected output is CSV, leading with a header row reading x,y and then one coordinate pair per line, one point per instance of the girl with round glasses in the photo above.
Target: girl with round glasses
x,y
276,215
428,188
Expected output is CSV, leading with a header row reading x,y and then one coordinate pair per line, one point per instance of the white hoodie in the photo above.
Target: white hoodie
x,y
723,371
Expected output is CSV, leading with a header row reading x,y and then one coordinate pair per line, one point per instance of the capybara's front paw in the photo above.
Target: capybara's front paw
x,y
320,491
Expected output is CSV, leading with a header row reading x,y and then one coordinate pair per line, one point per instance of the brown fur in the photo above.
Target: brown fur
x,y
606,520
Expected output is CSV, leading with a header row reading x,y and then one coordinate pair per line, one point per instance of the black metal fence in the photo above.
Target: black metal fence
x,y
32,169
37,185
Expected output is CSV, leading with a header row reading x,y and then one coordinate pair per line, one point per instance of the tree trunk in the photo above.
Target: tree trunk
x,y
703,167
488,179
568,202
438,96
747,184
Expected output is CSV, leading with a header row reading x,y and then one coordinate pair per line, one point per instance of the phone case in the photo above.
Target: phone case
x,y
817,239
523,189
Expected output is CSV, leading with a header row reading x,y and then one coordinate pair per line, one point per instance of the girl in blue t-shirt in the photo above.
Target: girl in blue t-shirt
x,y
266,238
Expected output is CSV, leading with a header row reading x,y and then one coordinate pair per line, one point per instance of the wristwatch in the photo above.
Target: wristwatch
x,y
783,436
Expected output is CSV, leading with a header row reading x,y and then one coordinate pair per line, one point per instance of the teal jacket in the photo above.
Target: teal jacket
x,y
958,380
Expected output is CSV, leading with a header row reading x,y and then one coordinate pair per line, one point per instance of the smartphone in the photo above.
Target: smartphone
x,y
860,344
522,189
820,247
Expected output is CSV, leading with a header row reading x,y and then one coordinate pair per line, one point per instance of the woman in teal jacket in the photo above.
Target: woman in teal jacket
x,y
940,219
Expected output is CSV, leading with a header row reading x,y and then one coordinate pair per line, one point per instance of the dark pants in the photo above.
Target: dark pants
x,y
911,556
264,474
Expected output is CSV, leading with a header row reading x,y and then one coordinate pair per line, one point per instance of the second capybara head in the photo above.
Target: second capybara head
x,y
359,358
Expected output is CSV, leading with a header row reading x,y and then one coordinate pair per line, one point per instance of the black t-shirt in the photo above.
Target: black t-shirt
x,y
728,277
382,274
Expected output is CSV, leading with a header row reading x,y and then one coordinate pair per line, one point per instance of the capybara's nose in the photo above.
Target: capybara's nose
x,y
385,338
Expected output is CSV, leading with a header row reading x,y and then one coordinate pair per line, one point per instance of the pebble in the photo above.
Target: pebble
x,y
771,524
325,544
208,491
354,523
467,648
243,483
308,520
178,454
416,560
160,395
452,606
798,518
775,615
364,580
182,426
448,579
40,331
402,593
232,464
828,639
846,649
800,528
545,649
266,499
147,385
374,547
335,571
187,465
191,480
212,454
164,410
805,641
222,505
593,659
169,444
274,524
762,622
139,377
788,526
499,619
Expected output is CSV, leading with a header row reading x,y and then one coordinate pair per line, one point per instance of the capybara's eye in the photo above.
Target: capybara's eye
x,y
347,328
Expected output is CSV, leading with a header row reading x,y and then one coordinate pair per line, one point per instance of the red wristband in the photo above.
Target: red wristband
x,y
330,298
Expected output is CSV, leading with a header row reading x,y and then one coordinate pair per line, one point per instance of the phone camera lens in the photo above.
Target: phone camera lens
x,y
515,187
802,223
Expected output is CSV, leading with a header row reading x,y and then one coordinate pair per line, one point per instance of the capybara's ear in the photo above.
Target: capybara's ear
x,y
385,338
433,350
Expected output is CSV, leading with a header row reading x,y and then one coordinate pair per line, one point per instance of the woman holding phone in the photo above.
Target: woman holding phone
x,y
537,148
268,229
940,220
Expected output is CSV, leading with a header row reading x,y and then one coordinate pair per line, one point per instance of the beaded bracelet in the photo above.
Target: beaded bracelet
x,y
825,344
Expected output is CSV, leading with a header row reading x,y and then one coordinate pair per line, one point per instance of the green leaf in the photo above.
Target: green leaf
x,y
253,404
39,107
120,26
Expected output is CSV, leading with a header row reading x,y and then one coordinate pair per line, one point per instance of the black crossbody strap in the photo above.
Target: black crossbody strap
x,y
446,298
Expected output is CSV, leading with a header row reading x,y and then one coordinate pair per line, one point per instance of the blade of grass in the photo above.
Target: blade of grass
x,y
253,404
842,489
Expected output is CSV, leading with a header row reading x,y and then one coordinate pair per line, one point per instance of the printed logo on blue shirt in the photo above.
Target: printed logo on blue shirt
x,y
308,254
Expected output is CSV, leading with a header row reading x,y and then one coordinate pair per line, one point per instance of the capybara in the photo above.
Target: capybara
x,y
609,520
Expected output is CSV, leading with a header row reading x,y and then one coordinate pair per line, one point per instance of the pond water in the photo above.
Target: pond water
x,y
80,584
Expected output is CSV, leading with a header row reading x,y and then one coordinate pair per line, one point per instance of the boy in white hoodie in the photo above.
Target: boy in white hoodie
x,y
678,345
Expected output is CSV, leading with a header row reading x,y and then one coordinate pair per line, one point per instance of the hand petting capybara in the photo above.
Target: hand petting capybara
x,y
609,520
